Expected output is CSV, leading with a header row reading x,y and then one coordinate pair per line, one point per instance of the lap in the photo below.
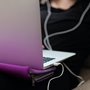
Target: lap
x,y
76,62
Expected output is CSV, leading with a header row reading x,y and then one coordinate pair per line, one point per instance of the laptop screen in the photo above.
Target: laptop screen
x,y
20,33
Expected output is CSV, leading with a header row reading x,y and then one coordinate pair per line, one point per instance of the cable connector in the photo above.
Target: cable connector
x,y
57,64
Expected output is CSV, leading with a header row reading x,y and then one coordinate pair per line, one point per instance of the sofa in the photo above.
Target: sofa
x,y
85,73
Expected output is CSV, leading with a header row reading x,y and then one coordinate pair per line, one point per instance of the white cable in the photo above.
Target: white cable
x,y
56,76
62,32
77,76
48,46
62,65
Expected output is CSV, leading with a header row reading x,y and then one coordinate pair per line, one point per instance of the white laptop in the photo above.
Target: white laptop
x,y
20,35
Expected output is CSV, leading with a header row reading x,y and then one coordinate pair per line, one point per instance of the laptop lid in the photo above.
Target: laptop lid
x,y
20,33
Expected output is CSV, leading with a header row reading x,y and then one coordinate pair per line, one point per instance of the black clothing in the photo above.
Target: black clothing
x,y
62,20
75,41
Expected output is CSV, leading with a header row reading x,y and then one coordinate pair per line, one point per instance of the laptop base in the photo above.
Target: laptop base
x,y
40,75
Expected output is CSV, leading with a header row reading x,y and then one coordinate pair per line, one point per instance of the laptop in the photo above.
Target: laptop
x,y
20,36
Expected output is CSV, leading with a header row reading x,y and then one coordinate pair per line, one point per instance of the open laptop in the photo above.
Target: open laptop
x,y
20,35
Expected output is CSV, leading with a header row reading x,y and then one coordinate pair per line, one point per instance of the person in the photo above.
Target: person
x,y
65,32
65,14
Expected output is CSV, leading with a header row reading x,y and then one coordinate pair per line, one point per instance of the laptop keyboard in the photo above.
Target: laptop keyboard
x,y
46,59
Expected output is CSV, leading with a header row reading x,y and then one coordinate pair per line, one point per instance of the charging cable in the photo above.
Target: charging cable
x,y
56,77
45,26
56,64
46,39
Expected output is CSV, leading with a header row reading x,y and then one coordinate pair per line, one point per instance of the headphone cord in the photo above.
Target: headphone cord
x,y
46,39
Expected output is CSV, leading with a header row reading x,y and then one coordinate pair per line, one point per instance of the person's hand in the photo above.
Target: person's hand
x,y
43,1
